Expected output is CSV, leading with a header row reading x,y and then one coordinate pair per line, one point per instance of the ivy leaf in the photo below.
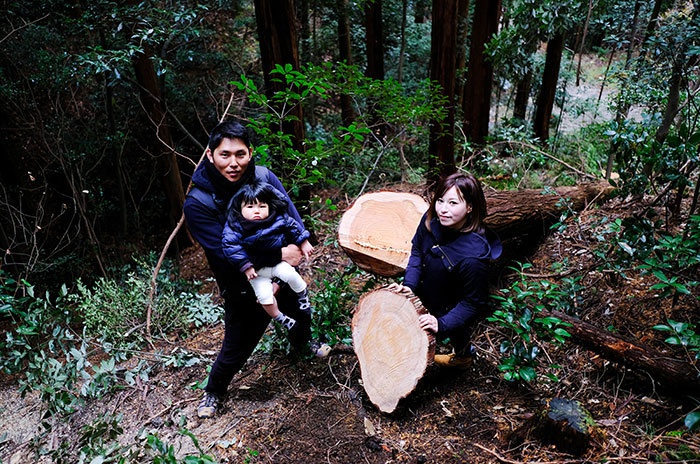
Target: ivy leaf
x,y
692,421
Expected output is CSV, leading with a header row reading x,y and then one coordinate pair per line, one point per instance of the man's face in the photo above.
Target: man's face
x,y
231,158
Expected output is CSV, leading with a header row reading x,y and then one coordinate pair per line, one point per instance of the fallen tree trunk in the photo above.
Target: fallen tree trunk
x,y
376,231
675,374
392,348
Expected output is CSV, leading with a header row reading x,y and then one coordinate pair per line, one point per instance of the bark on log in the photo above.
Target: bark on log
x,y
529,213
674,374
393,350
376,231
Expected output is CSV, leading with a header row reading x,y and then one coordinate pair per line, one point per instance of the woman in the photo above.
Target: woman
x,y
448,267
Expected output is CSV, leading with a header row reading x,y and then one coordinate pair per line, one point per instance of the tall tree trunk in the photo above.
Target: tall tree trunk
x,y
114,154
305,32
345,53
277,36
476,104
462,38
402,50
548,89
307,49
374,39
522,96
583,41
672,102
651,26
167,159
443,64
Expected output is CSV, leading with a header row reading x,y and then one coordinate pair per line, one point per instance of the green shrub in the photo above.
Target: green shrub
x,y
522,313
116,308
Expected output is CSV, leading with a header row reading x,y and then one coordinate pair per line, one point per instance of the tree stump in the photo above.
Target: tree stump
x,y
376,231
562,422
393,350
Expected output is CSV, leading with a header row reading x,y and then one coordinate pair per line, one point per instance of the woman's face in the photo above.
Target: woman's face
x,y
451,209
231,158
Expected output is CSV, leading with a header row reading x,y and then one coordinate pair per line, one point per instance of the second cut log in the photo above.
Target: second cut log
x,y
393,350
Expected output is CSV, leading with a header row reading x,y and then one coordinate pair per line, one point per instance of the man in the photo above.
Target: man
x,y
228,165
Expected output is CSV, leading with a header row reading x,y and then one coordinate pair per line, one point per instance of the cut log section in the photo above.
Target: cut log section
x,y
376,231
393,350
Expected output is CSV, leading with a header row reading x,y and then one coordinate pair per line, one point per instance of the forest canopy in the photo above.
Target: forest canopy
x,y
106,107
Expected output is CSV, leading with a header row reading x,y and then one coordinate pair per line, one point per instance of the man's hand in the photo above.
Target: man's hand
x,y
250,273
306,249
292,254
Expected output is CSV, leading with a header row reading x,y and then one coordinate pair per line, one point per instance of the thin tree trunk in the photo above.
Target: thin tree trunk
x,y
651,26
462,38
402,50
522,96
345,53
374,39
277,32
550,78
114,154
374,42
583,41
167,159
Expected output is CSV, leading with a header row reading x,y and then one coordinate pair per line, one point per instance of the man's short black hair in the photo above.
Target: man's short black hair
x,y
228,130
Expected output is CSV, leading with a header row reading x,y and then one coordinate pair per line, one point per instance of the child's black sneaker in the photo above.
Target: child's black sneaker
x,y
304,302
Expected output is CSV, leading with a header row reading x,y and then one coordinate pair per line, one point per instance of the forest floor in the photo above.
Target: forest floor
x,y
316,411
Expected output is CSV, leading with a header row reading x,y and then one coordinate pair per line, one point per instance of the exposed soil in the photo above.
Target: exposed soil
x,y
281,410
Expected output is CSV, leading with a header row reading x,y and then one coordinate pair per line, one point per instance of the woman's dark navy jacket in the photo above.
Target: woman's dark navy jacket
x,y
448,271
244,240
207,225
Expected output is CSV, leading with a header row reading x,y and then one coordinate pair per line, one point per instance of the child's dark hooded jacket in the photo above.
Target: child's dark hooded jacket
x,y
245,241
206,221
448,271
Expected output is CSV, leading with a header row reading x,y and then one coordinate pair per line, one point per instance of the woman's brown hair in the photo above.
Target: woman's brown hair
x,y
469,189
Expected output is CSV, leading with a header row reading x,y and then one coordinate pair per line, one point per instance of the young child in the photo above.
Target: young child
x,y
257,226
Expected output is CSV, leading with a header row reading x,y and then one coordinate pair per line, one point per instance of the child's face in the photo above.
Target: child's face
x,y
256,211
